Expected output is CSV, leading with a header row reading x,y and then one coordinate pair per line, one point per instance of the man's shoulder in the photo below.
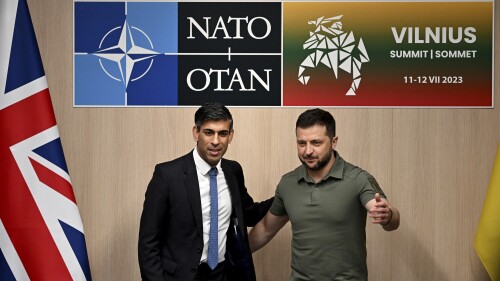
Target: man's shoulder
x,y
293,175
176,163
230,162
232,165
356,173
351,170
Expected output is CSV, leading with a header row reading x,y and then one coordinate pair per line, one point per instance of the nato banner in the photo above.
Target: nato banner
x,y
333,54
168,54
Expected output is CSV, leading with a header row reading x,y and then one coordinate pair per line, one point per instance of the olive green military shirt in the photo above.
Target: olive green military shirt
x,y
328,221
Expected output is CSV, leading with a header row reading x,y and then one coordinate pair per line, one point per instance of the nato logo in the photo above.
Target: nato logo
x,y
125,54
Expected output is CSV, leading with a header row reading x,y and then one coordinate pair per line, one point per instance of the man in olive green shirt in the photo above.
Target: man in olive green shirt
x,y
326,200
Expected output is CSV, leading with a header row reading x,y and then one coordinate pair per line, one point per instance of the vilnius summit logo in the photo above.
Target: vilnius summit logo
x,y
336,49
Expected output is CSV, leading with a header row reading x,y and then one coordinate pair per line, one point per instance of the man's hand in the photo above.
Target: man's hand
x,y
381,213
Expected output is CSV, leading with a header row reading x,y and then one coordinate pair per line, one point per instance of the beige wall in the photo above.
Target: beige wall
x,y
434,164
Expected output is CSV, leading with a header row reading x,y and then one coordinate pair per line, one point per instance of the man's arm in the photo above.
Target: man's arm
x,y
383,213
151,228
265,230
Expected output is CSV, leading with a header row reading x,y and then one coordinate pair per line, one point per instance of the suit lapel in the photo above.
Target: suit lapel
x,y
193,191
232,184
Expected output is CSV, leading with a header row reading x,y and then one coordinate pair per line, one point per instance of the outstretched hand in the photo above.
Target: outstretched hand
x,y
381,213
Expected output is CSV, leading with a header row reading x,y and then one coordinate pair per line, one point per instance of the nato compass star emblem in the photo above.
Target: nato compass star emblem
x,y
125,54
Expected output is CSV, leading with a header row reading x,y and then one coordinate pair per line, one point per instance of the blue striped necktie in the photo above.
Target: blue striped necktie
x,y
213,245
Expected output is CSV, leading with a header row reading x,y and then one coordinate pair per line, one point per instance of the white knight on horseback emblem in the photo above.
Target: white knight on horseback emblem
x,y
334,48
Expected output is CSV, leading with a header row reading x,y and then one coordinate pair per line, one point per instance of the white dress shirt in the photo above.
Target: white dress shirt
x,y
224,202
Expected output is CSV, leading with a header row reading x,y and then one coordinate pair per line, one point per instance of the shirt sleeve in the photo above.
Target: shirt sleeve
x,y
278,207
368,187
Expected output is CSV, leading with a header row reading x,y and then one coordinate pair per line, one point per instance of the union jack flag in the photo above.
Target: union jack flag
x,y
41,232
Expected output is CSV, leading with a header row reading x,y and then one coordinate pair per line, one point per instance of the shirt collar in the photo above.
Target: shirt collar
x,y
203,166
336,171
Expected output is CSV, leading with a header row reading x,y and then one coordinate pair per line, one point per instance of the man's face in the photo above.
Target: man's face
x,y
314,147
212,140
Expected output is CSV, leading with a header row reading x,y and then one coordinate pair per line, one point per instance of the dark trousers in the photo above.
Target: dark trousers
x,y
205,273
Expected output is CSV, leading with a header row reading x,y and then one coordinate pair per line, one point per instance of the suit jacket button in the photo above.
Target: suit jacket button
x,y
198,250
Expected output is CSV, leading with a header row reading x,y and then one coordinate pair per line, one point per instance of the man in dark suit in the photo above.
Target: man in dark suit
x,y
196,209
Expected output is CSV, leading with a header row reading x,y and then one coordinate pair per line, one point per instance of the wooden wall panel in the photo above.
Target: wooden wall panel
x,y
434,165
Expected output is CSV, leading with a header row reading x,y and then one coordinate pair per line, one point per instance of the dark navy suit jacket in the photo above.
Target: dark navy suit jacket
x,y
171,234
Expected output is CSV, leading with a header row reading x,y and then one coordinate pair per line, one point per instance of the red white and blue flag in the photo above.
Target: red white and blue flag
x,y
41,232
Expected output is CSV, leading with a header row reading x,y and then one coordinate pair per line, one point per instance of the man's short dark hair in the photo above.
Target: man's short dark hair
x,y
317,116
212,111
